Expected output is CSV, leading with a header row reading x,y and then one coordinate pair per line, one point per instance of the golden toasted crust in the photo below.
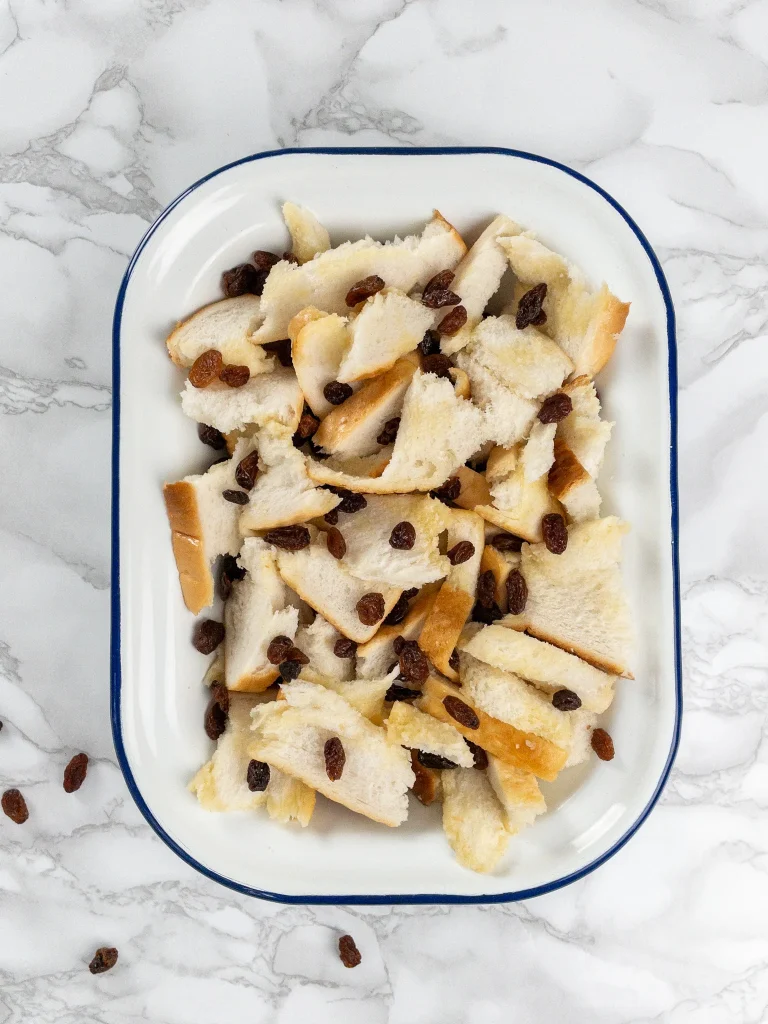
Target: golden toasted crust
x,y
438,216
500,567
606,328
418,610
443,627
566,471
613,667
256,683
522,749
427,787
474,489
301,319
188,547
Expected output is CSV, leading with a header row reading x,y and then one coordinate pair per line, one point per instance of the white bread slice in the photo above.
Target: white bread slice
x,y
576,600
509,416
388,326
450,609
572,486
583,722
541,663
583,431
518,505
474,488
376,657
501,564
325,281
226,326
269,398
317,349
258,610
350,430
473,819
372,558
291,734
412,728
316,640
518,793
538,452
584,322
527,361
327,586
308,236
364,695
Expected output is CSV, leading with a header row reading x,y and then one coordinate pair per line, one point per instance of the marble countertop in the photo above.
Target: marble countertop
x,y
108,108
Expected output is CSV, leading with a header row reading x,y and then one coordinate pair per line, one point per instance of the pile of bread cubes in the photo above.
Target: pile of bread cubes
x,y
419,591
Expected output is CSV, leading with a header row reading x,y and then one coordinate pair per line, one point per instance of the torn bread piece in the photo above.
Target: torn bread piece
x,y
358,473
412,728
291,734
473,819
324,281
427,788
583,722
317,640
518,504
270,398
377,657
453,604
584,322
364,695
226,326
518,793
474,488
389,325
509,416
308,236
583,431
527,362
572,486
319,341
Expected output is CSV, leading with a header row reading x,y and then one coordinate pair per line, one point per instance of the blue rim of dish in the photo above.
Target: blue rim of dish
x,y
115,670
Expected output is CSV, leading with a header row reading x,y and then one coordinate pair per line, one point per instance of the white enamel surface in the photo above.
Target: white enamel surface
x,y
162,701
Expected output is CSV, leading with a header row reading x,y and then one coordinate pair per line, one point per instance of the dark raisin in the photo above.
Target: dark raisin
x,y
281,349
230,571
278,649
555,408
344,648
529,308
389,431
425,785
207,635
289,538
335,392
461,712
506,542
397,692
211,436
15,806
430,343
452,322
206,368
554,532
240,280
398,613
349,954
486,588
449,491
264,260
370,609
435,761
414,667
410,592
308,425
438,364
351,502
403,536
335,758
437,292
235,376
332,517
363,290
517,592
257,776
247,471
461,552
217,712
290,258
289,670
236,497
336,543
486,615
602,744
296,654
75,772
566,700
104,959
453,661
479,756
398,644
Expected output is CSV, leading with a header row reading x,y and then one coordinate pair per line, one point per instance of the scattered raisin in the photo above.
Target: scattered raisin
x,y
449,491
506,542
370,609
438,364
296,654
430,343
247,471
335,758
332,517
104,959
398,692
281,349
389,431
351,502
414,667
290,258
517,592
435,761
486,615
555,534
555,408
217,711
344,648
437,292
410,592
461,712
264,260
74,773
452,322
240,280
206,368
479,756
289,670
363,290
235,376
403,536
398,644
461,552
453,661
211,436
529,308
15,806
236,497
602,744
257,776
230,571
566,700
336,543
349,954
308,425
207,635
486,588
289,538
335,392
398,613
278,649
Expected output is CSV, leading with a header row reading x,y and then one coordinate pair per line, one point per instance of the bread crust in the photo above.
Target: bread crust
x,y
605,330
256,682
188,547
566,471
443,627
474,489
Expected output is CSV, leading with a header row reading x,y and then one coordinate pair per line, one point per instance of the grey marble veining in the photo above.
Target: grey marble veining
x,y
108,108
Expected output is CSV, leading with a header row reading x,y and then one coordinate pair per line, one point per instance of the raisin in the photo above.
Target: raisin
x,y
296,654
264,260
452,322
217,712
449,491
344,648
351,502
349,954
555,534
257,776
435,761
235,376
403,536
517,592
430,343
486,588
363,290
453,661
410,592
479,756
289,670
336,543
602,744
425,782
438,364
389,431
414,667
281,349
332,517
278,649
104,959
370,609
74,773
308,425
236,497
241,280
437,292
207,635
290,258
398,613
566,700
398,692
461,712
15,806
211,436
486,615
398,644
555,408
335,758
230,571
506,542
461,552
289,538
529,309
206,368
335,392
247,471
